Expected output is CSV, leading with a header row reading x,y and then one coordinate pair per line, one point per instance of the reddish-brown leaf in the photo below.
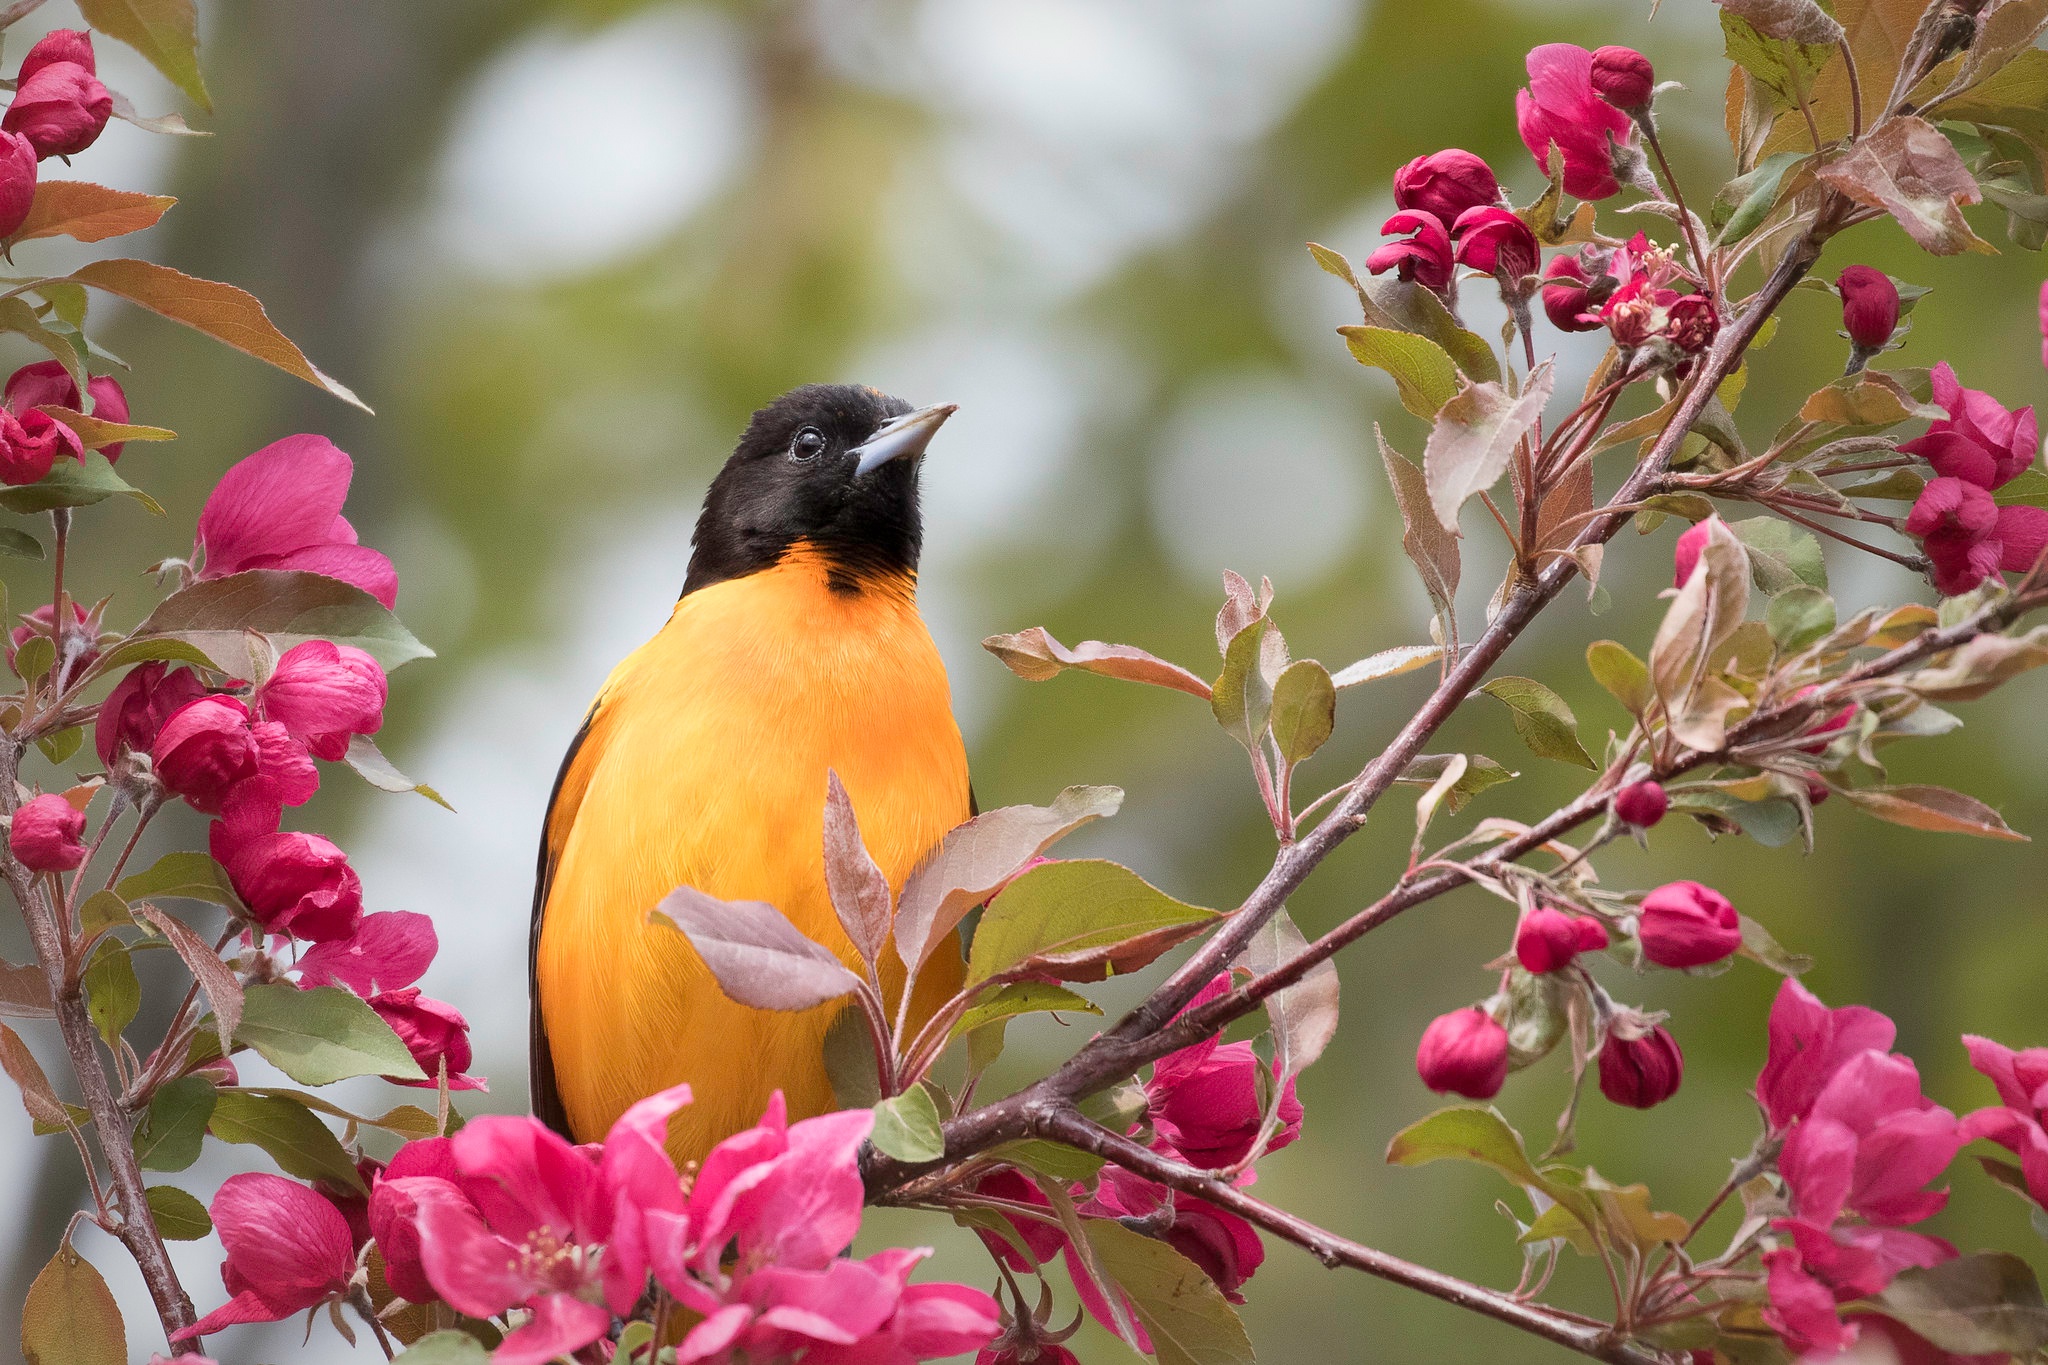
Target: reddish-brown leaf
x,y
1034,655
24,994
36,1095
1936,809
223,991
222,311
757,956
1908,169
89,212
859,891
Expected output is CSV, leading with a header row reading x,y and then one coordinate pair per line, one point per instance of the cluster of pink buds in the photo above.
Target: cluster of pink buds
x,y
1450,203
1979,447
59,109
1638,292
31,439
1202,1108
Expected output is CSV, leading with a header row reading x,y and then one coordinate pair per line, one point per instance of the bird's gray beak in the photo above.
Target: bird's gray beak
x,y
902,437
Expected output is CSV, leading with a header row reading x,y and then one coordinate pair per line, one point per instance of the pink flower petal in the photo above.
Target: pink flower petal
x,y
388,950
713,1335
470,1266
282,498
807,1211
560,1326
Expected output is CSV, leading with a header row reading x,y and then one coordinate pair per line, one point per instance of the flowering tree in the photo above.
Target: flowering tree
x,y
1124,1176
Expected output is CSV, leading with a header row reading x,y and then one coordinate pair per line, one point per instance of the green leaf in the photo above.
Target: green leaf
x,y
1304,709
1784,69
370,764
1974,1305
1481,772
1406,306
322,1035
295,1138
143,649
216,615
1542,719
1759,946
1080,920
446,1348
1867,401
182,876
36,656
174,1127
1478,1133
179,1217
1053,1160
60,746
1625,677
1423,372
907,1126
1023,997
1800,615
1185,1314
1758,191
74,483
112,994
2028,488
19,544
1242,698
1781,555
1475,436
165,31
70,1317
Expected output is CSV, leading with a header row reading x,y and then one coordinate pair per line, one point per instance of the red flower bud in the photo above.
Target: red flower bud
x,y
1870,306
205,750
433,1031
1497,241
46,383
323,693
297,884
1549,939
30,445
1641,804
48,834
59,45
1568,298
1624,78
17,181
1464,1052
1685,556
1445,184
60,107
135,711
1684,924
1424,258
1641,1072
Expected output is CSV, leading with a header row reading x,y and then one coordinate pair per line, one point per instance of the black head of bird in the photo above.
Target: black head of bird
x,y
830,466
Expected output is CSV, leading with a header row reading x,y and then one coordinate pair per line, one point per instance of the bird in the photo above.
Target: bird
x,y
796,649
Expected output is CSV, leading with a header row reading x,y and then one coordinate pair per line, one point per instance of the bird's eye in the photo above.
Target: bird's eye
x,y
806,444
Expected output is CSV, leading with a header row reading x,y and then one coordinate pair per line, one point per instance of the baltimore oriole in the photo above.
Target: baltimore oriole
x,y
796,648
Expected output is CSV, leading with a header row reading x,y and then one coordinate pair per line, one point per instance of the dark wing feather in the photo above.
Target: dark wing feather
x,y
544,1097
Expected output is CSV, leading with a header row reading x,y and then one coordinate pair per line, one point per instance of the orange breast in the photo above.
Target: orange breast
x,y
705,766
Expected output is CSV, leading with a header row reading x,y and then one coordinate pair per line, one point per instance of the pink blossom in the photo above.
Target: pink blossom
x,y
322,693
1464,1052
2018,1124
434,1032
1205,1098
48,384
280,508
293,883
395,1198
1809,1044
30,445
288,1250
1981,440
387,951
1968,537
1560,106
204,751
135,711
1424,258
1869,1146
1568,297
1685,555
1496,240
1825,1267
1224,1246
1548,940
48,834
17,181
1445,184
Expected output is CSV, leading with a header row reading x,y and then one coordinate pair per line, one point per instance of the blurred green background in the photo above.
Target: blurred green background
x,y
565,248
